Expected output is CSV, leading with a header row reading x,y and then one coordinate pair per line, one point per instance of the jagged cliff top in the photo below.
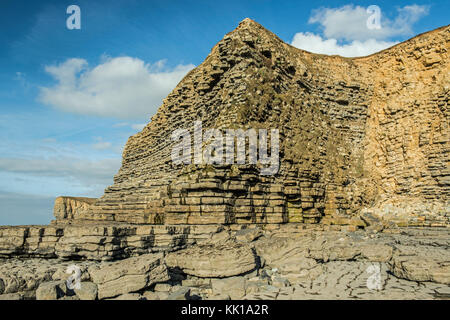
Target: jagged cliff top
x,y
250,24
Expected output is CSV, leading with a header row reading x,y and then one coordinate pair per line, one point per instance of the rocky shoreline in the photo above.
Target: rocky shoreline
x,y
282,262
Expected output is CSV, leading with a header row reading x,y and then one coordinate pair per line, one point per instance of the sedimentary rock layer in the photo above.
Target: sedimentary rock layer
x,y
356,134
97,241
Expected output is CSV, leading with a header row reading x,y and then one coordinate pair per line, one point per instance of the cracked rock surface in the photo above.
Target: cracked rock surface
x,y
287,262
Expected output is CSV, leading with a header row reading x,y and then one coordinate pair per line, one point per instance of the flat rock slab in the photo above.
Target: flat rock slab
x,y
213,261
87,291
421,264
129,275
50,290
235,287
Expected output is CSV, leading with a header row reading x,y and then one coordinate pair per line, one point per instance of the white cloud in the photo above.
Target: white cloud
x,y
349,22
345,30
83,171
122,87
315,43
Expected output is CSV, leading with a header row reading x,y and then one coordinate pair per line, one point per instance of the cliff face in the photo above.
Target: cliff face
x,y
357,136
407,133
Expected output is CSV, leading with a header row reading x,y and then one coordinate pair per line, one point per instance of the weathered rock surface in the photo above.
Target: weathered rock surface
x,y
129,275
235,287
422,264
51,290
357,135
96,241
128,296
284,262
11,296
180,294
72,208
213,261
87,291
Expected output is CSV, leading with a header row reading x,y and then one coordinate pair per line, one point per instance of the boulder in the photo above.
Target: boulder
x,y
11,296
129,275
87,291
248,235
213,261
421,264
51,290
376,252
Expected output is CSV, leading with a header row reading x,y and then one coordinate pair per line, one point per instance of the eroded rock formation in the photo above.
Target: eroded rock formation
x,y
364,134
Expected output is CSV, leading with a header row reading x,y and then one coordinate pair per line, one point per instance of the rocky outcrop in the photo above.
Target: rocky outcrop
x,y
97,241
72,208
129,275
421,264
283,262
363,134
213,261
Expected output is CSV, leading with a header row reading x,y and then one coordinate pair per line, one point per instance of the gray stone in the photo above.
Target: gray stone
x,y
11,296
50,290
129,275
235,287
280,282
87,291
181,294
213,261
128,296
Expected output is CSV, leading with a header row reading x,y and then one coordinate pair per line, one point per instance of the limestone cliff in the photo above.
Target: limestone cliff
x,y
360,135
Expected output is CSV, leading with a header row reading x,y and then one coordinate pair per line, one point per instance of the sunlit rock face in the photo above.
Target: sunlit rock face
x,y
358,137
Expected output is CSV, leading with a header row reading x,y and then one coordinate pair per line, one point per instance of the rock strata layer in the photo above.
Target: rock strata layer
x,y
357,135
97,241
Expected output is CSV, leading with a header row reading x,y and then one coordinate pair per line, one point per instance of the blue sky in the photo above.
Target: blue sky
x,y
69,99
